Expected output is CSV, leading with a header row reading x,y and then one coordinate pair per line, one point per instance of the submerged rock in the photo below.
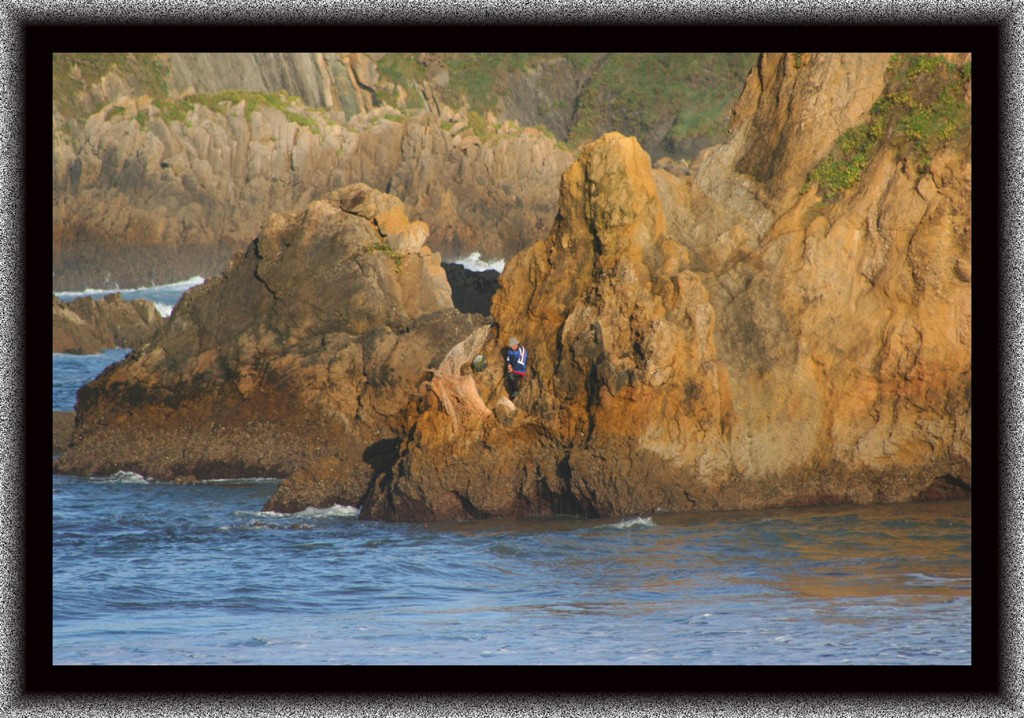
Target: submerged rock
x,y
295,362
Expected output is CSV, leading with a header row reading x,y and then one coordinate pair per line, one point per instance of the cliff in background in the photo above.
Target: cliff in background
x,y
167,165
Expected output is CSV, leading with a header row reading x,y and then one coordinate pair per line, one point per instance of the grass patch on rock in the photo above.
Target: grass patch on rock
x,y
388,251
220,102
74,73
922,110
637,93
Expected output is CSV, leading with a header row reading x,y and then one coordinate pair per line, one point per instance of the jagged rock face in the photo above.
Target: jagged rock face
x,y
88,326
495,197
293,363
791,112
722,340
846,328
625,396
544,95
301,74
141,197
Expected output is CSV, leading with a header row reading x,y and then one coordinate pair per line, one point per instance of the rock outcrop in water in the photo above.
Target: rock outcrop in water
x,y
88,326
735,337
721,340
296,362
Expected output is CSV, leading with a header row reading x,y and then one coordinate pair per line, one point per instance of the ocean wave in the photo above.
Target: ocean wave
x,y
121,477
173,286
630,523
475,264
336,511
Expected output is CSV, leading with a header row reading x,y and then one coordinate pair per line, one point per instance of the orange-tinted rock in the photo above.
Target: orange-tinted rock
x,y
624,391
723,340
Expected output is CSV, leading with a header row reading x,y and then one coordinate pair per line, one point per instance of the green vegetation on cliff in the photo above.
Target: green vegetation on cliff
x,y
923,109
178,110
479,77
147,74
676,95
672,102
666,99
74,74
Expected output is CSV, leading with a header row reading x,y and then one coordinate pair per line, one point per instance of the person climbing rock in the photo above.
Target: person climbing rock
x,y
515,366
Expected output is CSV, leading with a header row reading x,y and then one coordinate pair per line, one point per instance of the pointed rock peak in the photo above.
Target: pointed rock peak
x,y
610,194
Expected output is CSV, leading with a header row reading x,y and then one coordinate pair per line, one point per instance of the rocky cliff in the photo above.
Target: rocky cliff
x,y
738,338
787,324
166,165
154,189
153,202
88,326
295,362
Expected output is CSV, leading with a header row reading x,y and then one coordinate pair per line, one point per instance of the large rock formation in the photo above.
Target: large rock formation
x,y
87,326
721,340
296,362
626,405
736,337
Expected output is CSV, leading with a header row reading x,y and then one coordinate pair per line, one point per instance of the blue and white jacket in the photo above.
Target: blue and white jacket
x,y
515,360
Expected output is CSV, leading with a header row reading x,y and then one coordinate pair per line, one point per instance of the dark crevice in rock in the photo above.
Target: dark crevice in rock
x,y
472,291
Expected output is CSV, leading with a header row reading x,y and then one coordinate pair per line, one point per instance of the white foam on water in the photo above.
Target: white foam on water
x,y
475,264
630,523
182,285
122,477
164,309
336,511
939,580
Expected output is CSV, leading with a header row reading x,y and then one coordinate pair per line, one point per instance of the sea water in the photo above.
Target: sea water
x,y
155,573
164,296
